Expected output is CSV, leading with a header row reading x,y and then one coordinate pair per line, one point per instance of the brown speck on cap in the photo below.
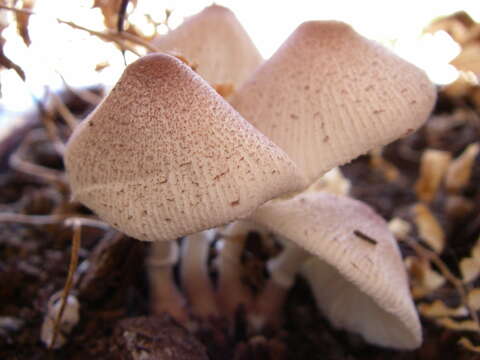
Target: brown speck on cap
x,y
330,57
170,159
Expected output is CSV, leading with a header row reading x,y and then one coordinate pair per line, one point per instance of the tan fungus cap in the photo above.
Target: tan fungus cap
x,y
216,43
357,275
329,95
164,155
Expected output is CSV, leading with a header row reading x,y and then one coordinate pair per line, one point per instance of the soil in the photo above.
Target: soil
x,y
113,290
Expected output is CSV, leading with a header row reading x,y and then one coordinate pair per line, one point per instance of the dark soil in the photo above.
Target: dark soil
x,y
113,291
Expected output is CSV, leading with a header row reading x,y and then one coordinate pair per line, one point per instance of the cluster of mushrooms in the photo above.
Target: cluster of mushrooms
x,y
165,156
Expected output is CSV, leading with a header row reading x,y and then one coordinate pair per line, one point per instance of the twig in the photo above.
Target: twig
x,y
121,15
17,161
52,219
117,38
85,95
76,240
455,281
50,127
64,111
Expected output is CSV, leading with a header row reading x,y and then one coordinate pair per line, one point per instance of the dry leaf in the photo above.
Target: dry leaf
x,y
429,228
9,64
464,325
423,278
23,19
4,60
433,166
457,207
378,162
102,65
470,269
111,9
457,25
460,170
439,309
467,344
468,59
473,299
399,227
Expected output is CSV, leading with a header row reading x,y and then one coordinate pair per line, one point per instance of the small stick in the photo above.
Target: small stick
x,y
117,38
51,128
365,237
456,282
52,219
76,240
17,161
64,111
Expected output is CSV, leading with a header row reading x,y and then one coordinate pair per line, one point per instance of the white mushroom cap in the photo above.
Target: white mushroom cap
x,y
329,95
216,43
164,155
357,274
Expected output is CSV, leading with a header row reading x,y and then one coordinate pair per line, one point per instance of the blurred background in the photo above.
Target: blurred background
x,y
60,54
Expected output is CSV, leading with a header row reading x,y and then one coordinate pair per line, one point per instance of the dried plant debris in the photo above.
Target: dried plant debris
x,y
434,172
433,166
429,228
460,170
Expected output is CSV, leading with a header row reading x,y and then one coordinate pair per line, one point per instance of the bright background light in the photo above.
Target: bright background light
x,y
58,49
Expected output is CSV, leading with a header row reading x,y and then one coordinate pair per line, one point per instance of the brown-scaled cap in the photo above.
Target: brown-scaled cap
x,y
356,274
216,44
164,155
329,95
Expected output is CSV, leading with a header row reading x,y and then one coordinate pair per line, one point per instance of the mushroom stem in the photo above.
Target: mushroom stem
x,y
164,293
231,291
283,270
194,274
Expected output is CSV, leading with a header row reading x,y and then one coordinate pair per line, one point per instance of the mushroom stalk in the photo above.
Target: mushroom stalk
x,y
164,293
194,274
231,291
283,270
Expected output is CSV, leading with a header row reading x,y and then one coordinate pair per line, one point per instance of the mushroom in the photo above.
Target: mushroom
x,y
329,95
219,49
164,156
216,44
352,262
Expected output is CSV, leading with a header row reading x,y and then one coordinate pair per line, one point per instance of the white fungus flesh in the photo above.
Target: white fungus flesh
x,y
355,271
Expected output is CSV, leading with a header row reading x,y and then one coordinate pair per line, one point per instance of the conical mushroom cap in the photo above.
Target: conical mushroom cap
x,y
329,95
164,155
357,274
216,43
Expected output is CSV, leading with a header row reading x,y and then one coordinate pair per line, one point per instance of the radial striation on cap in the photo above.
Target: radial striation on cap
x,y
216,43
329,95
164,155
356,272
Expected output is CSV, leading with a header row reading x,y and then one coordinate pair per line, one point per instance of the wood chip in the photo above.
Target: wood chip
x,y
424,279
429,228
473,299
378,162
439,309
470,269
460,170
465,325
433,166
467,344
